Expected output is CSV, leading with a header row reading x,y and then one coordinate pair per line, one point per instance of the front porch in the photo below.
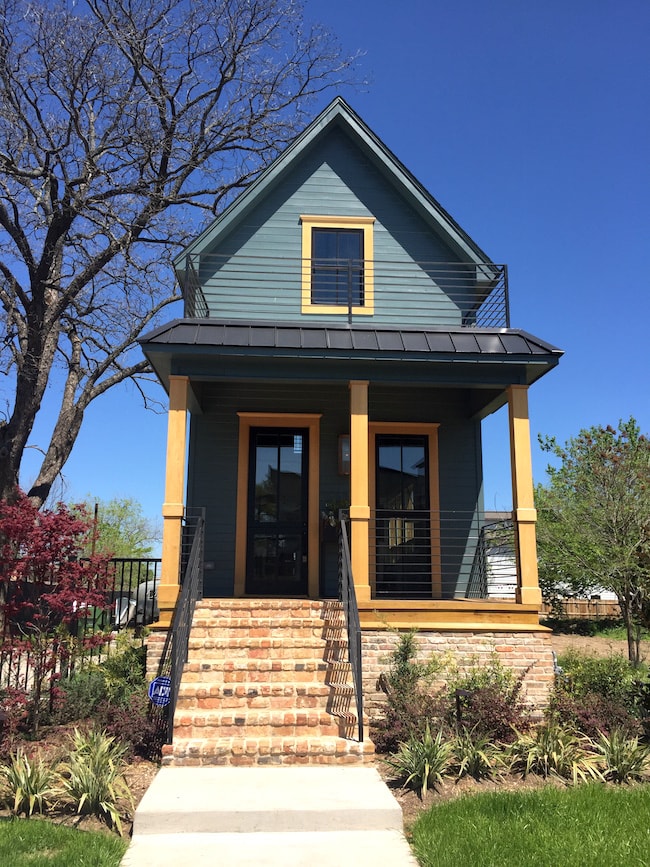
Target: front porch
x,y
413,564
464,580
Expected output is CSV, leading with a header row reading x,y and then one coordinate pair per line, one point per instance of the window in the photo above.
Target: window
x,y
337,272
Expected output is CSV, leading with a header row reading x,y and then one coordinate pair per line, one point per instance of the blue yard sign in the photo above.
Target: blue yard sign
x,y
159,690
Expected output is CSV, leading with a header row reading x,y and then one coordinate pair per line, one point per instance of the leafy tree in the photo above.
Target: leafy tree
x,y
44,589
117,119
121,529
594,520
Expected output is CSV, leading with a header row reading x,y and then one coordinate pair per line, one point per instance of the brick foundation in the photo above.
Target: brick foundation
x,y
520,651
155,644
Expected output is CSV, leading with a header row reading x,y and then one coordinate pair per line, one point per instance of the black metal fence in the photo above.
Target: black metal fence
x,y
131,603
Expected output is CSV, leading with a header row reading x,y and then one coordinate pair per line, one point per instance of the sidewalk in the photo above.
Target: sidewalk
x,y
290,816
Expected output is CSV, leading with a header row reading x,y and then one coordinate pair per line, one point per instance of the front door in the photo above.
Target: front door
x,y
276,561
403,521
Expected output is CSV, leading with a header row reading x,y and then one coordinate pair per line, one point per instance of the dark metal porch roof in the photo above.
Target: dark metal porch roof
x,y
355,339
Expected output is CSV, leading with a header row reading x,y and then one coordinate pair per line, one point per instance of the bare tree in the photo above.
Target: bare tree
x,y
118,118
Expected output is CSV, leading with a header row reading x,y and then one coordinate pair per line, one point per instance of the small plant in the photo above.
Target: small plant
x,y
555,750
475,754
28,784
422,762
623,758
93,780
410,705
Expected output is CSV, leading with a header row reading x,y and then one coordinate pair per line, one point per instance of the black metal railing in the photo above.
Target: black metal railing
x,y
494,567
416,294
348,599
130,590
421,554
175,650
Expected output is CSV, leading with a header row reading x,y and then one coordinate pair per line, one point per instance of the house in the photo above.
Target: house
x,y
342,340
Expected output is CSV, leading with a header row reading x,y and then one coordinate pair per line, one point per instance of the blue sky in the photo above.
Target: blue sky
x,y
530,123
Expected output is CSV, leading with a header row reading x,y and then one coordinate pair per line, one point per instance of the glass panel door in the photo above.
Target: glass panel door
x,y
403,522
276,562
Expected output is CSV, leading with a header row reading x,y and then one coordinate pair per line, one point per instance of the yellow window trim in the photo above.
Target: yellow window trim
x,y
418,429
365,224
311,421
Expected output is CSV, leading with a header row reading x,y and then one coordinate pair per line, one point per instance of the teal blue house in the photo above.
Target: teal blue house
x,y
341,341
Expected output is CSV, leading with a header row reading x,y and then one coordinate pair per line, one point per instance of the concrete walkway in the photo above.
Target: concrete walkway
x,y
289,816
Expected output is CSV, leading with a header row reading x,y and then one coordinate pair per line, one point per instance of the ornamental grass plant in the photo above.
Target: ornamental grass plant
x,y
421,762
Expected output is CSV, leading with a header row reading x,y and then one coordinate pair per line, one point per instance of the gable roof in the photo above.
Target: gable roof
x,y
338,113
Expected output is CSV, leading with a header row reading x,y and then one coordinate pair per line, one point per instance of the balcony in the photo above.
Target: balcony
x,y
411,294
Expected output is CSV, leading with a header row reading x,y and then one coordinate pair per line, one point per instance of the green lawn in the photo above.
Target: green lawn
x,y
39,843
586,826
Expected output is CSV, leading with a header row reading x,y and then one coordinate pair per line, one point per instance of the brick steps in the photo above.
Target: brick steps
x,y
308,647
252,696
267,682
232,723
254,671
268,751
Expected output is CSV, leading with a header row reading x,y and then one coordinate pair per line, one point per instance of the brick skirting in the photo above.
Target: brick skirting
x,y
530,652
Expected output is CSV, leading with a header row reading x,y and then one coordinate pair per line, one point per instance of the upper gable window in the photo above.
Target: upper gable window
x,y
337,270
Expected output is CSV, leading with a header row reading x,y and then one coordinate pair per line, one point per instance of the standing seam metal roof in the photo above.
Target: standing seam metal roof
x,y
460,341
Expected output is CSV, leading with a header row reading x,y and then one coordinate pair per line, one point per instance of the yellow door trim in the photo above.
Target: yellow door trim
x,y
311,421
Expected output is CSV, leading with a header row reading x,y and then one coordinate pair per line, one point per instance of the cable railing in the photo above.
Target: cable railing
x,y
414,294
422,554
348,599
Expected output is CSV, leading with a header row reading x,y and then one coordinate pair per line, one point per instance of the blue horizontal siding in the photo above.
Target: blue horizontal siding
x,y
334,178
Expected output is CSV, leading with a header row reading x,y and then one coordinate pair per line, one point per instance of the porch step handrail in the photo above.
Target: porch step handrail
x,y
348,599
175,651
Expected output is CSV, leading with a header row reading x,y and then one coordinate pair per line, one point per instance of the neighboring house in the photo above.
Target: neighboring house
x,y
343,338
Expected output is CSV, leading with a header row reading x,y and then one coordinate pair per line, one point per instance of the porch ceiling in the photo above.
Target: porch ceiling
x,y
471,358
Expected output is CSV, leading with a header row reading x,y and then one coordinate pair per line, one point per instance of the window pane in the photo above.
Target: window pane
x,y
337,267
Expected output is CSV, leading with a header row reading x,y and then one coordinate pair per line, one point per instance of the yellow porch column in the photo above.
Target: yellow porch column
x,y
528,591
359,488
174,497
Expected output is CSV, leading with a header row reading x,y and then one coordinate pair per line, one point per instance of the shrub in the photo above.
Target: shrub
x,y
591,713
610,676
410,706
124,669
80,695
555,750
623,757
132,725
14,708
28,784
422,762
491,702
93,779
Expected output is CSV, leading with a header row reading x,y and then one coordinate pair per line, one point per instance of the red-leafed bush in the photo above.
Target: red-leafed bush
x,y
45,590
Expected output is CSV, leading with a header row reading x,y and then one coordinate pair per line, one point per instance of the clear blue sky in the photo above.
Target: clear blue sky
x,y
530,123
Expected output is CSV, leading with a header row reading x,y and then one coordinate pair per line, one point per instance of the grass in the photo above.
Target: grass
x,y
591,824
26,843
618,633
